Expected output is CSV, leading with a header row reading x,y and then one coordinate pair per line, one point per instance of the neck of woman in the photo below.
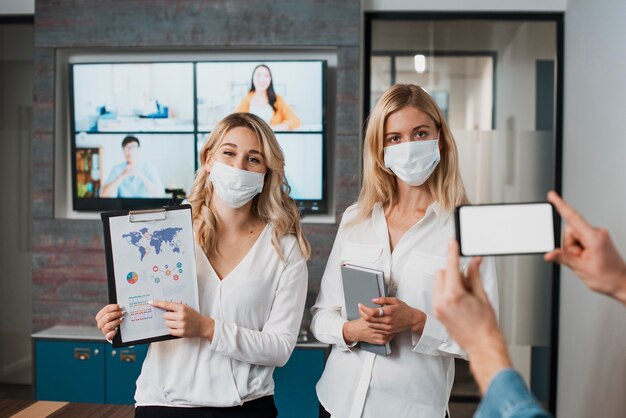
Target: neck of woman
x,y
412,198
260,94
230,220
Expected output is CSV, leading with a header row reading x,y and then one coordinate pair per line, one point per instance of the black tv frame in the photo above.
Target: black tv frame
x,y
99,204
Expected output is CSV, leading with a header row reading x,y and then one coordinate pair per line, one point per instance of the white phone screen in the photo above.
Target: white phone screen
x,y
520,228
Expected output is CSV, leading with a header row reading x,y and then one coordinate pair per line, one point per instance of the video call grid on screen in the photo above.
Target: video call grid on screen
x,y
526,228
154,102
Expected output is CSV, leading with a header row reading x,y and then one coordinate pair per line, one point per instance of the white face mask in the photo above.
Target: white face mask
x,y
414,161
234,186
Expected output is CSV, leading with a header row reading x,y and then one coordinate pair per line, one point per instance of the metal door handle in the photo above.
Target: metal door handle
x,y
82,354
128,356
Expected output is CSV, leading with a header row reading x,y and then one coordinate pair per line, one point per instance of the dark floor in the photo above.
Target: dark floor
x,y
8,391
463,402
12,391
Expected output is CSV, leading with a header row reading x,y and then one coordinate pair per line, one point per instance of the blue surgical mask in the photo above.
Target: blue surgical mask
x,y
234,186
414,161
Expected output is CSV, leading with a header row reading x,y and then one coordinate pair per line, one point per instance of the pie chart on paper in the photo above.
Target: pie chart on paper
x,y
132,277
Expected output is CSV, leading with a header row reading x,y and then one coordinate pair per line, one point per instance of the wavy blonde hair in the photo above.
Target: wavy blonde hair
x,y
379,182
273,205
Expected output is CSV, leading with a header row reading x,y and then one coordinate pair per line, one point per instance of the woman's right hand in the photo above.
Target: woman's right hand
x,y
358,330
108,319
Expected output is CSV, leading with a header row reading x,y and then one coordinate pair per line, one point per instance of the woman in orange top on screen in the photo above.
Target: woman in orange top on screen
x,y
263,101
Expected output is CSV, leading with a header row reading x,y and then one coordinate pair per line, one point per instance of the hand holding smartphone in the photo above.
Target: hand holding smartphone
x,y
506,229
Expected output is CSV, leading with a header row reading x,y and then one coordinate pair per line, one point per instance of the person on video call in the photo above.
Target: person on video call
x,y
251,258
400,225
133,177
263,101
463,307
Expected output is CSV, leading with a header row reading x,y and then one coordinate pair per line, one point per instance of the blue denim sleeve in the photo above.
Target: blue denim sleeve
x,y
508,397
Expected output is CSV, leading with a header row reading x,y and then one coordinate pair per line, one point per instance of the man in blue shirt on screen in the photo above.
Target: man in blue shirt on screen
x,y
133,178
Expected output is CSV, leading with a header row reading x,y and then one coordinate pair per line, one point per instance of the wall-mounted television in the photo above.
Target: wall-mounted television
x,y
137,127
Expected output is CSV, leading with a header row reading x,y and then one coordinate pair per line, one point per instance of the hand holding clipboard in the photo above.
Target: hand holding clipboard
x,y
150,255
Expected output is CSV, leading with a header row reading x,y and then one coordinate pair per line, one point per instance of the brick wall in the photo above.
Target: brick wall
x,y
69,274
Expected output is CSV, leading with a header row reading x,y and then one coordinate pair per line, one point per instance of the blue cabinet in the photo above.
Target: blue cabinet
x,y
294,391
76,364
69,371
123,366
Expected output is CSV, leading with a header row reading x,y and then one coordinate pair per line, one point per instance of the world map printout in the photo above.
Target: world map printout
x,y
152,260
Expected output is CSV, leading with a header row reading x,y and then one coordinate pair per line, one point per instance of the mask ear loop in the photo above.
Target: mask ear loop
x,y
208,186
207,182
439,141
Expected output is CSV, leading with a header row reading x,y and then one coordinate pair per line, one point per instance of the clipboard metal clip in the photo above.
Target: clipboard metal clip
x,y
147,215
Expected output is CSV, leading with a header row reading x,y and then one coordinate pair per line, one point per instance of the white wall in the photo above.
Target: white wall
x,y
592,337
17,7
16,109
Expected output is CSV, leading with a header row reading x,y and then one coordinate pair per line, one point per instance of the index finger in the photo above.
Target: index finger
x,y
107,309
573,218
385,301
453,275
162,304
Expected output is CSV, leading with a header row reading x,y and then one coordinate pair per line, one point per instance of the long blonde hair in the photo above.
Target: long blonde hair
x,y
379,182
273,205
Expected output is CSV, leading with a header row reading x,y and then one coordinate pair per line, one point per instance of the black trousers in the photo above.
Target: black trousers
x,y
258,408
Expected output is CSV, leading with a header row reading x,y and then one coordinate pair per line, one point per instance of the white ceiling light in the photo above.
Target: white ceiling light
x,y
420,63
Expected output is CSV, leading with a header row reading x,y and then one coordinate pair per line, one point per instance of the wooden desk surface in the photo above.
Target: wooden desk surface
x,y
20,408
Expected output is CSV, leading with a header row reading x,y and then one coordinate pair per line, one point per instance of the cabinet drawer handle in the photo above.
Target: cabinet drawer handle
x,y
82,354
128,356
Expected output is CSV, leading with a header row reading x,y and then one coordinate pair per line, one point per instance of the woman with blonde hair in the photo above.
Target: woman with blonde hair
x,y
400,225
252,281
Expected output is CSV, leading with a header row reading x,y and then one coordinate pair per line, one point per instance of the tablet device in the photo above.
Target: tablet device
x,y
506,229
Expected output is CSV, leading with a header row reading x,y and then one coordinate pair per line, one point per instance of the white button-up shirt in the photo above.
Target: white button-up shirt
x,y
257,310
415,380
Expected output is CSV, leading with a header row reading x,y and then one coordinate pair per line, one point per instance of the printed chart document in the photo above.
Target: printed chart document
x,y
361,285
150,256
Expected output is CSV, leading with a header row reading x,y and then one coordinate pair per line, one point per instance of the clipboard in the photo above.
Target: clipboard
x,y
150,255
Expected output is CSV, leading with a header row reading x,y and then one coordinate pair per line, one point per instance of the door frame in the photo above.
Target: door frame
x,y
558,19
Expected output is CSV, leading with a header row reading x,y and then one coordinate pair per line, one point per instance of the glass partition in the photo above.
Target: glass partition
x,y
496,82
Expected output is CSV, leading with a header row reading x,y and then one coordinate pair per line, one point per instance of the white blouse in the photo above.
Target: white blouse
x,y
264,111
257,309
415,380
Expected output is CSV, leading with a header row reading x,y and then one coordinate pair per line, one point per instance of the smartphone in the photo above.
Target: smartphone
x,y
506,229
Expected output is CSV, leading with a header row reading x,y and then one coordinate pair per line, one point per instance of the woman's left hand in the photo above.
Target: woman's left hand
x,y
184,321
397,316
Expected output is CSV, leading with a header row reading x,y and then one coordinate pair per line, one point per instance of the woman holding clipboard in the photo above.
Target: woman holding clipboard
x,y
252,281
400,225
